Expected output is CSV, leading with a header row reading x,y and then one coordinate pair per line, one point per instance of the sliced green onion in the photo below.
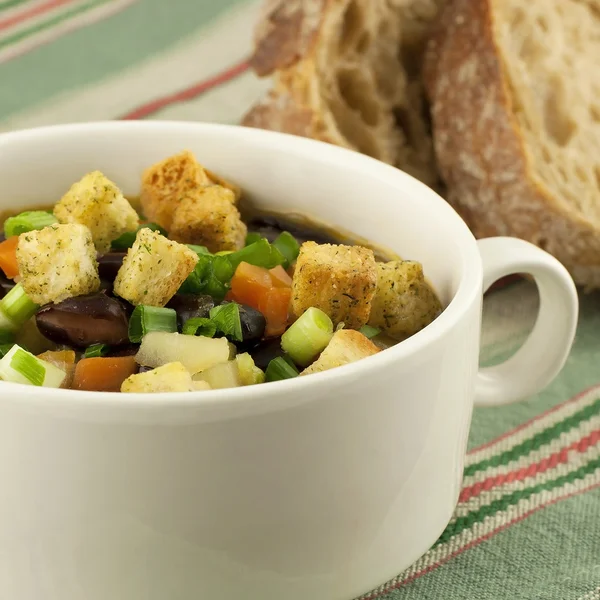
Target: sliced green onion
x,y
369,332
28,221
227,319
199,250
308,336
251,238
96,350
222,269
250,374
5,349
20,366
199,326
279,368
289,247
259,254
126,240
17,307
223,252
151,318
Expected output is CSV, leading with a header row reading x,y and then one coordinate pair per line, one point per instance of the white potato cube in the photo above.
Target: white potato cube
x,y
172,377
196,353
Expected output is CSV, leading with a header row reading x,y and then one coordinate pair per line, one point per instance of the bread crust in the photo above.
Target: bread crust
x,y
481,152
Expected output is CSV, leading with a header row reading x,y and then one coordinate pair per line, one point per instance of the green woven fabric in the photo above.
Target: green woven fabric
x,y
528,522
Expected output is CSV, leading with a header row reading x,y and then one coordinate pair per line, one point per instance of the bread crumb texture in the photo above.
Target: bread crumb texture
x,y
98,203
57,262
340,280
153,269
208,216
515,96
404,302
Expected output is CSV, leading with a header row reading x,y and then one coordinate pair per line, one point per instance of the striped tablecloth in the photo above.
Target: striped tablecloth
x,y
528,522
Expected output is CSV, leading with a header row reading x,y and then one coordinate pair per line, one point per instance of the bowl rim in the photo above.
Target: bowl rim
x,y
468,288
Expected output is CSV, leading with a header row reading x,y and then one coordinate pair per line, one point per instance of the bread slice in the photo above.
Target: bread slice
x,y
515,94
347,72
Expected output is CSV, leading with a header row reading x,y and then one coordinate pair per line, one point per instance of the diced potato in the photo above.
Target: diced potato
x,y
64,360
154,269
339,280
166,182
196,353
346,346
223,375
208,217
249,373
200,386
172,377
404,302
58,262
98,203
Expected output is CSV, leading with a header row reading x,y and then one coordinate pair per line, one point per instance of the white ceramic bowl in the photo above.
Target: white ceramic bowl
x,y
318,488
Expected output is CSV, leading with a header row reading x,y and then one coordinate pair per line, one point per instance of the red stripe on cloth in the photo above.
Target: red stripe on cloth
x,y
534,419
474,543
32,12
550,462
188,94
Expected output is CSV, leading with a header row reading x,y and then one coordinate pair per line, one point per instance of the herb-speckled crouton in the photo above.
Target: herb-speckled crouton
x,y
345,346
172,377
57,262
209,217
154,269
404,302
340,280
98,203
217,180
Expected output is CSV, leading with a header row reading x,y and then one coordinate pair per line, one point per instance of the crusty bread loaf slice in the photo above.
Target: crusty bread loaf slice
x,y
515,94
347,72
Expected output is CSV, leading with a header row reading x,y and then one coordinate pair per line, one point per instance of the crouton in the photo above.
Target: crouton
x,y
58,262
98,203
404,302
166,182
208,216
154,269
340,280
214,178
172,377
346,346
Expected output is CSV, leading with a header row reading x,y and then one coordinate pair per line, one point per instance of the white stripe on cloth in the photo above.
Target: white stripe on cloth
x,y
536,426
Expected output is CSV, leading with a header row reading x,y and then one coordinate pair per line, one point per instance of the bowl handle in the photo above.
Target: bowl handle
x,y
545,351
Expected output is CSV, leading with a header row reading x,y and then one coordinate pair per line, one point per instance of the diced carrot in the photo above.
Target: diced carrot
x,y
280,278
63,359
8,257
249,284
274,305
103,374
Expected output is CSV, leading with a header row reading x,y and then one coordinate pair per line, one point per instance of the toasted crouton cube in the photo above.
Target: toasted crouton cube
x,y
166,182
154,269
97,203
172,377
346,346
404,302
58,262
340,280
209,217
214,178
